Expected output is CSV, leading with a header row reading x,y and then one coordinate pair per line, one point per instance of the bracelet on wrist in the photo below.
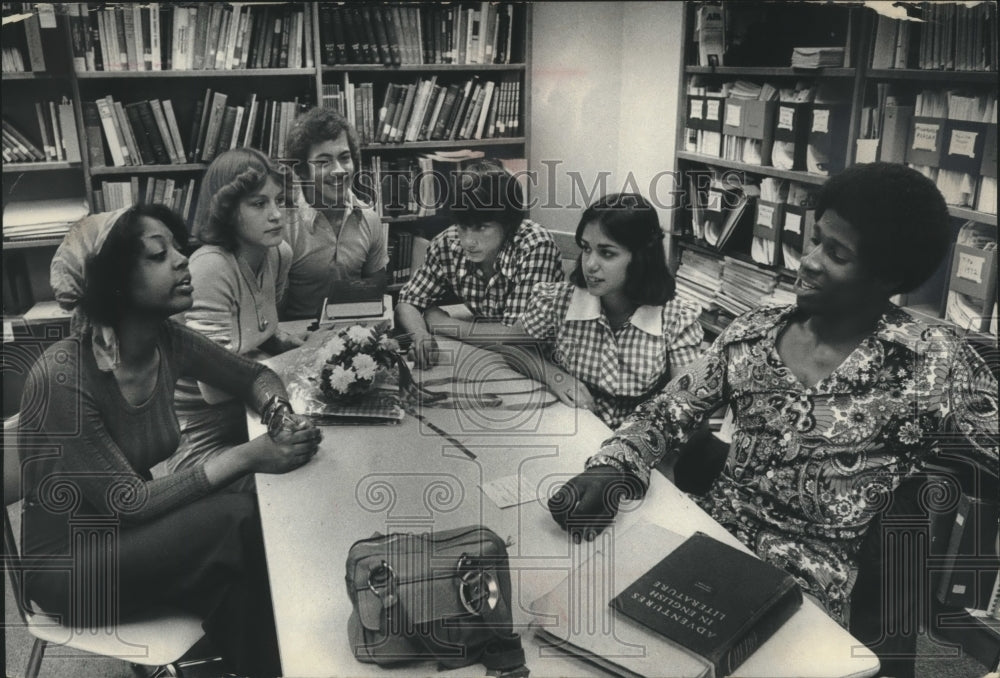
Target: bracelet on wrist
x,y
274,405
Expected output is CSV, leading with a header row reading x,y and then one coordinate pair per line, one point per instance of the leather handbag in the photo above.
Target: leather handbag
x,y
441,595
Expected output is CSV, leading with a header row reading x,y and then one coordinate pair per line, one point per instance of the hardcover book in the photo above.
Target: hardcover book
x,y
618,608
713,599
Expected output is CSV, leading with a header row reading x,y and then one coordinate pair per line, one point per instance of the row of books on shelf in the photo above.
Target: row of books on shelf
x,y
801,128
201,36
422,111
949,135
948,36
400,246
56,140
177,194
402,34
22,35
146,132
769,219
411,185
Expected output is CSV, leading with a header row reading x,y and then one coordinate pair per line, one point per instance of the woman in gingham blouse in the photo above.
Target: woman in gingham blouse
x,y
616,331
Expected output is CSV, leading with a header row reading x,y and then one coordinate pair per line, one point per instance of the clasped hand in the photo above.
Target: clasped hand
x,y
588,502
290,445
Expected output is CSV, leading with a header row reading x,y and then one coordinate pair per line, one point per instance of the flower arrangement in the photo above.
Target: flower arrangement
x,y
354,358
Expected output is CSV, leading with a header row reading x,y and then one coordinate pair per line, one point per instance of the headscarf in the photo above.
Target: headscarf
x,y
67,276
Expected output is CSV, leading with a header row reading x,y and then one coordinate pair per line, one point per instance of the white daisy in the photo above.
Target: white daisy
x,y
341,378
365,366
359,334
333,347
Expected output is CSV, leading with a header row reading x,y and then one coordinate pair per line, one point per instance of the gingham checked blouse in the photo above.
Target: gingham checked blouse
x,y
616,366
530,257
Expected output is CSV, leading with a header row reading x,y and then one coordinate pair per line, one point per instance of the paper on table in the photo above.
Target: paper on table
x,y
510,491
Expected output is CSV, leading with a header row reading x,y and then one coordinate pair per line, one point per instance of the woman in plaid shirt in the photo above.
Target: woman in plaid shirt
x,y
490,259
616,330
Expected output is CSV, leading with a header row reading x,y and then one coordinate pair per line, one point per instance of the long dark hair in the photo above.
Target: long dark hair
x,y
629,220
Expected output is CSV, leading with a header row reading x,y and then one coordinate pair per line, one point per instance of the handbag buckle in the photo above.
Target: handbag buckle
x,y
479,591
383,577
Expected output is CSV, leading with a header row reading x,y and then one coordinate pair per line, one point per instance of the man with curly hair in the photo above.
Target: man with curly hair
x,y
333,234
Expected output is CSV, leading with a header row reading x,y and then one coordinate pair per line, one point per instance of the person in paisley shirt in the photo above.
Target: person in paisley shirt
x,y
835,399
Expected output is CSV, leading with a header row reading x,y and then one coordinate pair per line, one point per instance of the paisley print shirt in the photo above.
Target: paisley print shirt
x,y
809,467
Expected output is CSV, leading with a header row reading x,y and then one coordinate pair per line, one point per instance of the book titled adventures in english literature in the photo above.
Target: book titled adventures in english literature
x,y
712,599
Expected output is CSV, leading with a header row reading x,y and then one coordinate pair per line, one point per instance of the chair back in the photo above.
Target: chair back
x,y
568,248
11,462
12,493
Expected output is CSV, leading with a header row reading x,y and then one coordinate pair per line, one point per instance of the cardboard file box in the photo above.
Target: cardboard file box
x,y
695,112
962,149
988,168
796,231
732,120
974,274
925,141
791,124
769,218
758,119
712,121
828,134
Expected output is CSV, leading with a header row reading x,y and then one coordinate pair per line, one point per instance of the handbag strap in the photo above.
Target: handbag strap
x,y
504,653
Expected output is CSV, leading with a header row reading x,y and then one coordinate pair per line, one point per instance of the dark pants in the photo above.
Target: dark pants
x,y
207,557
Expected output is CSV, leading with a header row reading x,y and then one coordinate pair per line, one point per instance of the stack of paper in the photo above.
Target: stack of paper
x,y
817,57
744,286
699,278
774,191
783,295
33,219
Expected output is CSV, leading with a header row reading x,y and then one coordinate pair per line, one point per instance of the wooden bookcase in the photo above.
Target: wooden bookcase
x,y
847,26
29,181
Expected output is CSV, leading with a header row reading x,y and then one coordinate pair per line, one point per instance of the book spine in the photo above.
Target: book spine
x,y
71,139
202,113
157,136
92,129
90,17
216,113
33,33
141,134
757,630
131,142
115,145
155,35
180,157
57,139
144,38
78,28
129,32
286,35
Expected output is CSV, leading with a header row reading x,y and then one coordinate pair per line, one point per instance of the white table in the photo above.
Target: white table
x,y
412,478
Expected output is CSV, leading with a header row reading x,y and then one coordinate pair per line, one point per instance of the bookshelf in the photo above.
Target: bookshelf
x,y
859,92
87,62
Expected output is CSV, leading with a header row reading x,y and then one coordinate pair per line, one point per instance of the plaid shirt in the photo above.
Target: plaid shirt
x,y
530,257
617,366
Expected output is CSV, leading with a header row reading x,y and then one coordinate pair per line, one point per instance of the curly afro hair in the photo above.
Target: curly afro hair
x,y
901,218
